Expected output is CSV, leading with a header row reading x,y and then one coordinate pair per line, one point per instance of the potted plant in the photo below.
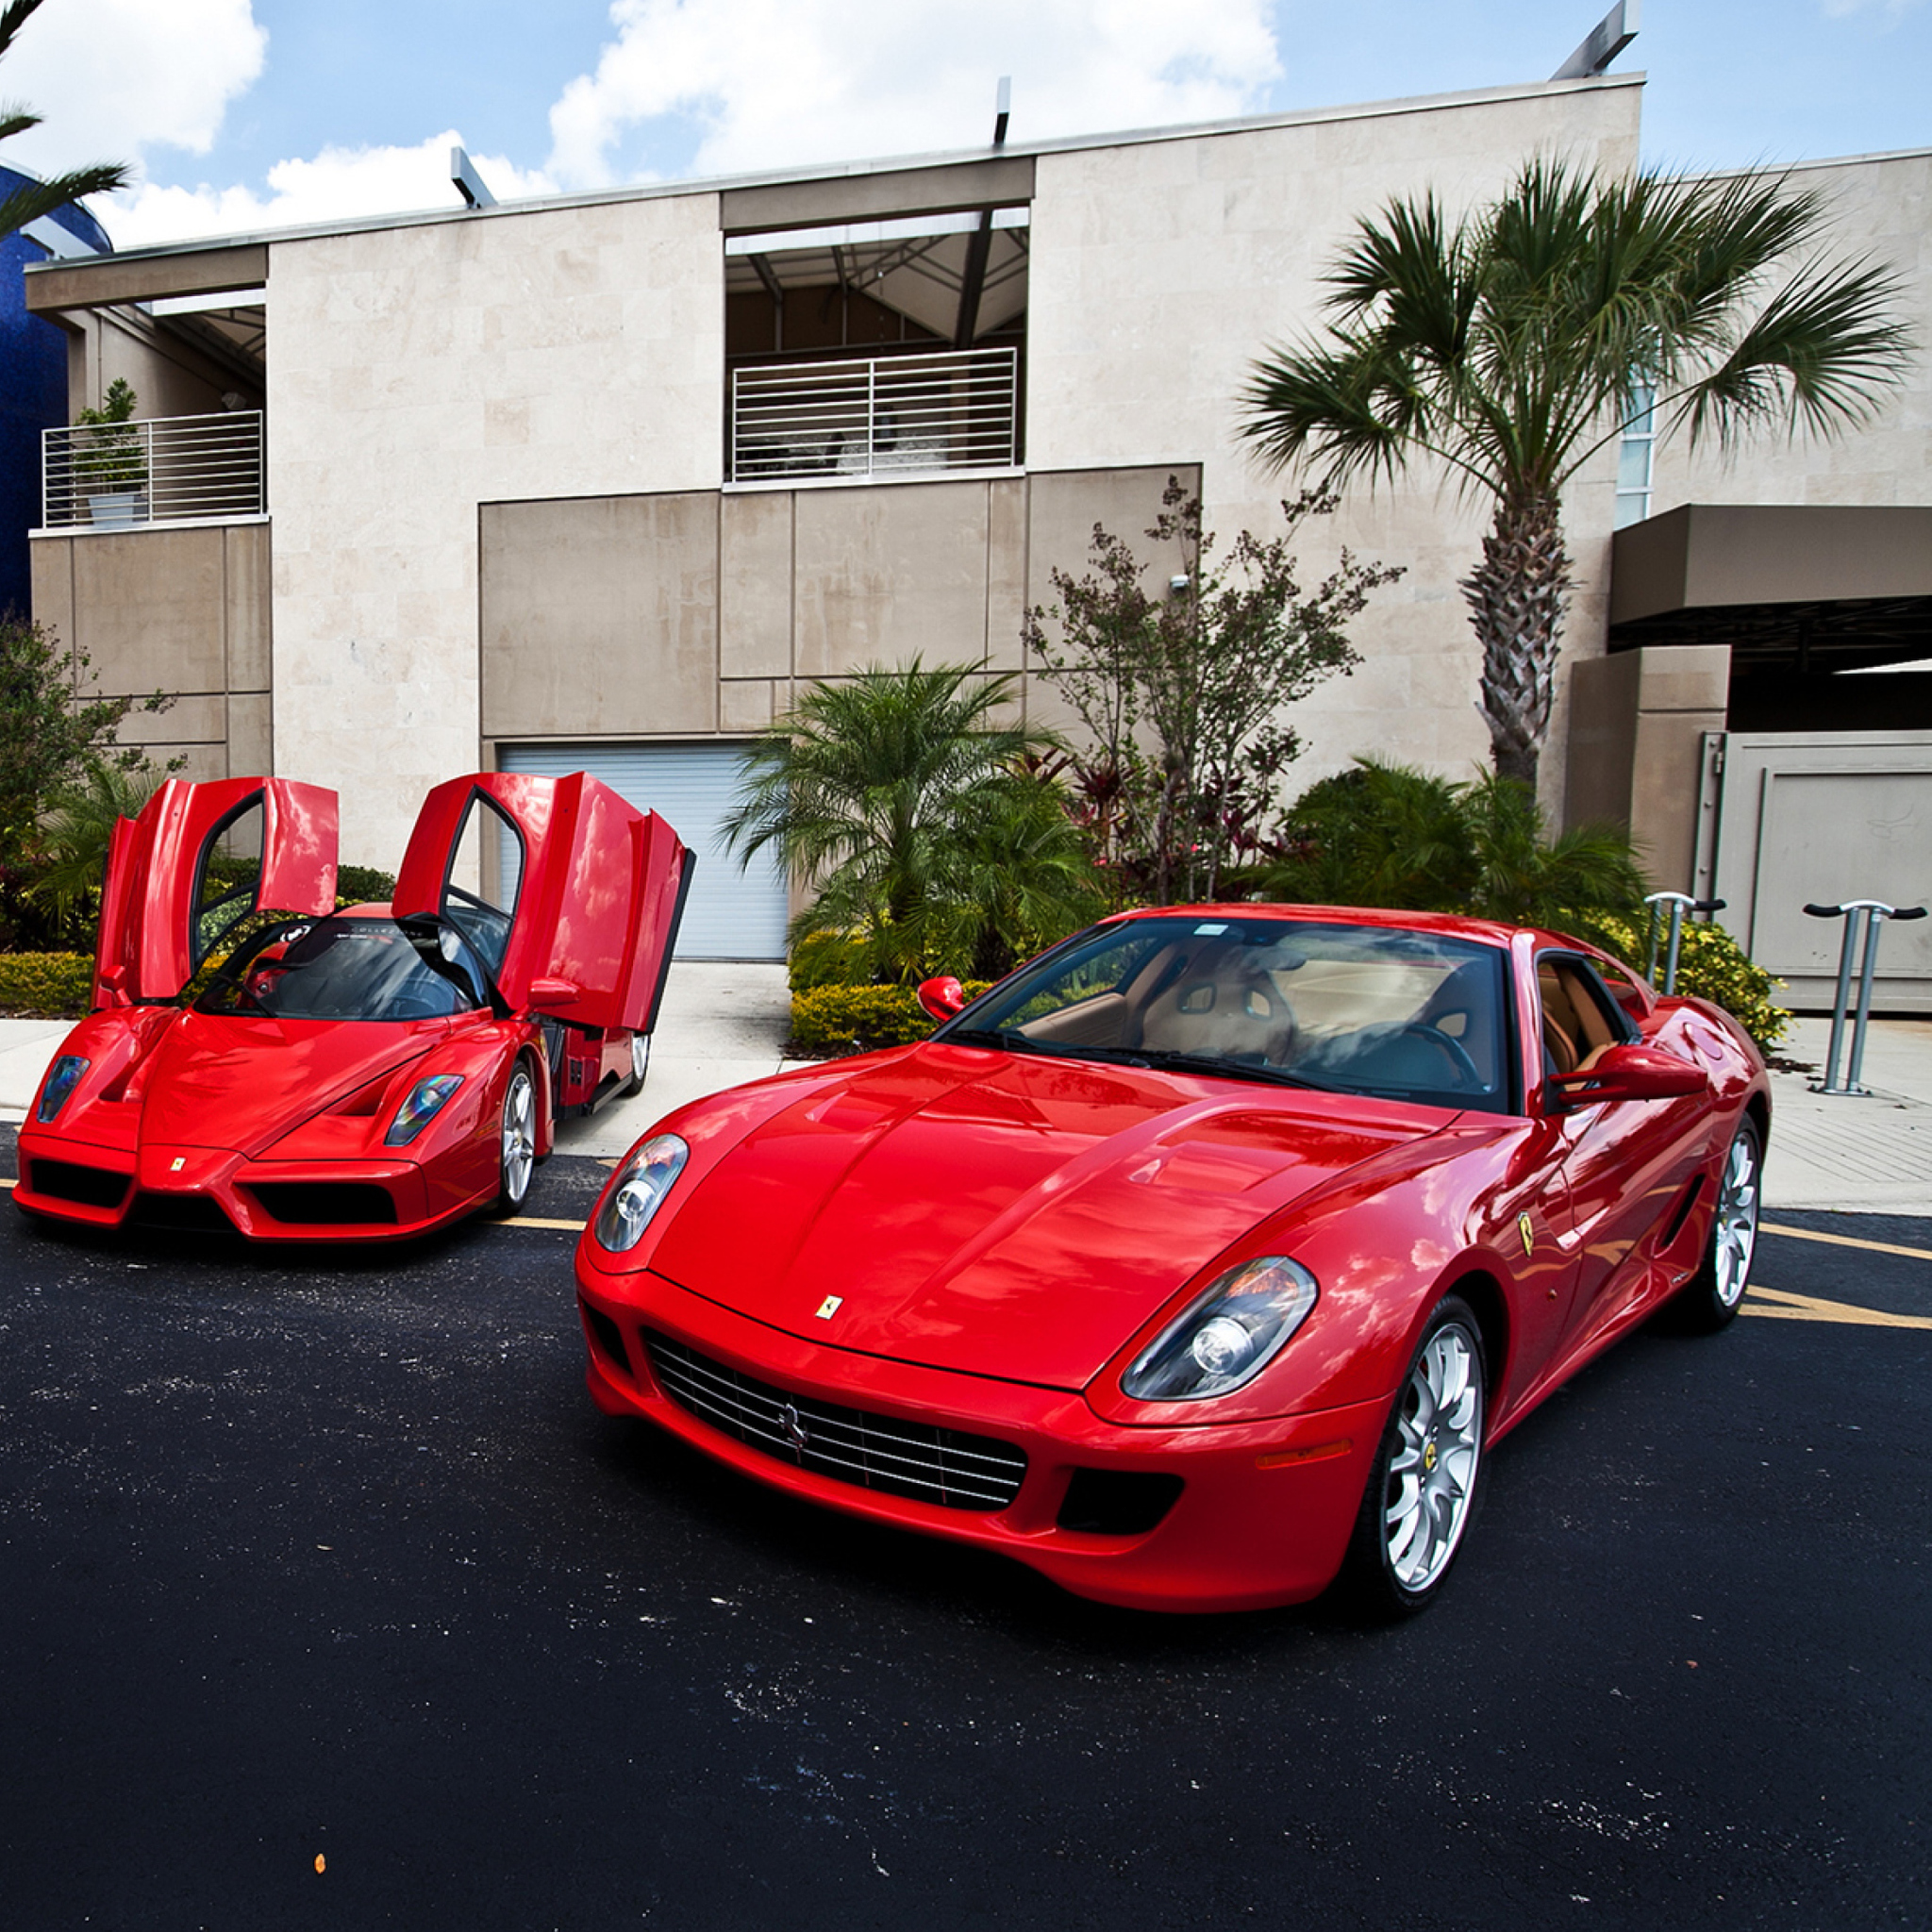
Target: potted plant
x,y
110,462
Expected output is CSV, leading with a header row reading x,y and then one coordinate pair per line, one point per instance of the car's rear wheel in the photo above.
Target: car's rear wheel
x,y
1421,1491
517,1156
640,1060
1711,1297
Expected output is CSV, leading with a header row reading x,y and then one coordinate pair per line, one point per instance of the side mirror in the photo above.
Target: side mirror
x,y
943,997
548,995
1631,1073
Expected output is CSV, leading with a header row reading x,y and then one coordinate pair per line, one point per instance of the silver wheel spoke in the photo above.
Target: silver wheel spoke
x,y
1432,1468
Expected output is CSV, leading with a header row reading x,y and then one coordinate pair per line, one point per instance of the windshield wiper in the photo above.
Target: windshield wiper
x,y
1004,1038
1230,1069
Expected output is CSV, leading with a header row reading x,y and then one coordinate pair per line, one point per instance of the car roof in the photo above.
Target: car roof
x,y
1454,924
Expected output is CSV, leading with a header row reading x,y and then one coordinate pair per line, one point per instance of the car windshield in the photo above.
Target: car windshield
x,y
349,969
1346,1009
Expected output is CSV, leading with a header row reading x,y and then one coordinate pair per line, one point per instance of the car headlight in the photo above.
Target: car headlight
x,y
638,1191
427,1098
63,1076
1226,1336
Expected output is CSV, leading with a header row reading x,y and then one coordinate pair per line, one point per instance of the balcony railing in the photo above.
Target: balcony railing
x,y
884,415
162,470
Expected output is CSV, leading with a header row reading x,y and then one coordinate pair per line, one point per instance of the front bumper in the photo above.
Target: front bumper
x,y
1263,1515
210,1190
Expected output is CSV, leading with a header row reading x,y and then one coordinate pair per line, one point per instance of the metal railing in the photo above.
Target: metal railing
x,y
159,469
882,415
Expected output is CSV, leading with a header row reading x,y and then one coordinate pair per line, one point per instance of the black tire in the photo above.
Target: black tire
x,y
639,1062
516,1144
1711,1298
1425,1484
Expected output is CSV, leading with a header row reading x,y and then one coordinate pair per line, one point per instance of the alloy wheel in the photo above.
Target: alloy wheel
x,y
1432,1471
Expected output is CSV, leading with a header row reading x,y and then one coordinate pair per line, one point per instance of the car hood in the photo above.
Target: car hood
x,y
1003,1215
241,1082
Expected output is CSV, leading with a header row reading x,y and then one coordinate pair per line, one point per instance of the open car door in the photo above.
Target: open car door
x,y
196,863
570,893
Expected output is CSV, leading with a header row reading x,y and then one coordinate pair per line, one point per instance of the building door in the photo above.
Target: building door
x,y
1794,817
731,913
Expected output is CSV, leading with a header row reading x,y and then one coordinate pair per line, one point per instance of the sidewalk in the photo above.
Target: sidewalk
x,y
723,1023
1851,1154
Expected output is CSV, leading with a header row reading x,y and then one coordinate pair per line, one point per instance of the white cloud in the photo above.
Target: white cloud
x,y
772,82
114,77
338,185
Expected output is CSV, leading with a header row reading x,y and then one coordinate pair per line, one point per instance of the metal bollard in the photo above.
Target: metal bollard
x,y
1679,904
1862,917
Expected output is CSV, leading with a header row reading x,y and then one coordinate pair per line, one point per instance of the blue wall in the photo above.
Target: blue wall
x,y
33,392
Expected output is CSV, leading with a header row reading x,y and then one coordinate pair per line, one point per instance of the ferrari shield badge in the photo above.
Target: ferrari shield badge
x,y
1528,1234
831,1307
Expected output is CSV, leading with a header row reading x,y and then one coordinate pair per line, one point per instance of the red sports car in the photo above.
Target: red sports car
x,y
1196,1263
360,1075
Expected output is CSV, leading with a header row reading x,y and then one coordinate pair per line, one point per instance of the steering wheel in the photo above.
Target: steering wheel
x,y
1467,1078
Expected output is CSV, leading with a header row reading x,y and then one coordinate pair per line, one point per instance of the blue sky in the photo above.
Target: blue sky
x,y
246,114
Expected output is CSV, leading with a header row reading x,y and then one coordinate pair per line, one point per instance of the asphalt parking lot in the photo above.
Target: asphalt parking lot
x,y
330,1601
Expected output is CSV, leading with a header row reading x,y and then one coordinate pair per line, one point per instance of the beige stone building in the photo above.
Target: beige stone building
x,y
605,480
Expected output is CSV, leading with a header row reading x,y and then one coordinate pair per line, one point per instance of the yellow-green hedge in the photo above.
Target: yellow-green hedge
x,y
1712,966
47,986
865,1016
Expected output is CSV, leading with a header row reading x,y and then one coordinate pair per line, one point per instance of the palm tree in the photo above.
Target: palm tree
x,y
30,202
899,798
1509,346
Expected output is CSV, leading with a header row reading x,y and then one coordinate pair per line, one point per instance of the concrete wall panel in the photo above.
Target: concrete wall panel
x,y
150,607
755,573
885,576
600,616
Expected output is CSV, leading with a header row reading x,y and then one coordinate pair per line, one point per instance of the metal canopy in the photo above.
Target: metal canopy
x,y
920,277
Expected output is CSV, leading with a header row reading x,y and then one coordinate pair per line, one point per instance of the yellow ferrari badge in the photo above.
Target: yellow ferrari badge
x,y
1525,1228
831,1307
179,1161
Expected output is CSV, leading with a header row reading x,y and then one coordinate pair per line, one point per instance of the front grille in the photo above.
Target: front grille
x,y
182,1214
877,1452
327,1203
68,1180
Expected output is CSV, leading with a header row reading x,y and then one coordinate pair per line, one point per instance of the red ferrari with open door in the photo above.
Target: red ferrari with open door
x,y
258,1060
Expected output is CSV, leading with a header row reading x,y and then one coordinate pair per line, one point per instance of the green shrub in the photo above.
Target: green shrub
x,y
355,884
1712,966
866,1016
47,986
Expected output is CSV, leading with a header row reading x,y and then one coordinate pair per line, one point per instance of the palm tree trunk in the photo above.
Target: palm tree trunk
x,y
1516,599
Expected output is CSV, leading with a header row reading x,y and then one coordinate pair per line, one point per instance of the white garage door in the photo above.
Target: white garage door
x,y
731,914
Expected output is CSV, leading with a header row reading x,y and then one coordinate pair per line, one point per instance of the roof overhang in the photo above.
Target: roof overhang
x,y
1778,580
107,280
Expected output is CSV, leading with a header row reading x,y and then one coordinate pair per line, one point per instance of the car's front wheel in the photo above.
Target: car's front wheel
x,y
1421,1491
1711,1298
517,1157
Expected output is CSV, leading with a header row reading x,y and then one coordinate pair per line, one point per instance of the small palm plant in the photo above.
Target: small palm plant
x,y
906,803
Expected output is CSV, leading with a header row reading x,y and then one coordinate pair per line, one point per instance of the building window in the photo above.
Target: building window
x,y
1634,456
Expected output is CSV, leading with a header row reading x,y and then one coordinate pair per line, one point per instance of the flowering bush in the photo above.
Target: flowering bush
x,y
1712,966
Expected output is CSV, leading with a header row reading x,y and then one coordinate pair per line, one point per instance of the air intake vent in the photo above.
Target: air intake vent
x,y
876,1452
327,1203
67,1180
183,1214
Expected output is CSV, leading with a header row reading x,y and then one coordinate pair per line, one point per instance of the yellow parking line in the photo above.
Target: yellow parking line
x,y
1786,1306
1844,1240
536,1221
